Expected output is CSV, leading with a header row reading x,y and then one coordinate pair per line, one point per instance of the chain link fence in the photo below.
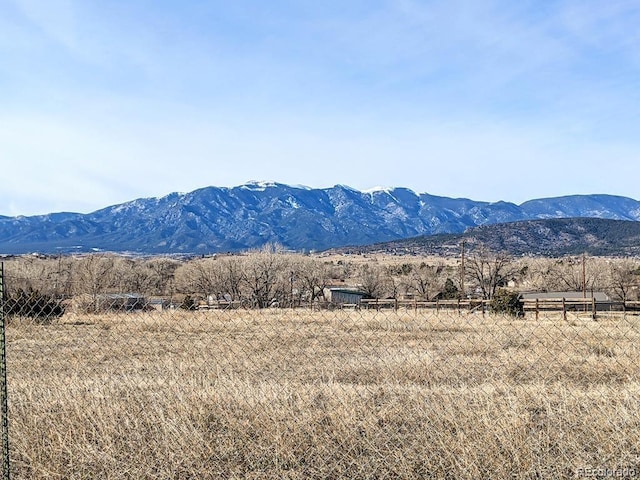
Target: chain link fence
x,y
106,384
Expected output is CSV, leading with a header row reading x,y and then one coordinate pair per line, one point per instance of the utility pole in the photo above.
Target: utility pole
x,y
462,271
291,279
4,406
584,276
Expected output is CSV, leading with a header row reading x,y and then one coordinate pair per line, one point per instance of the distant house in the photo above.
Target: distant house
x,y
159,304
121,301
344,296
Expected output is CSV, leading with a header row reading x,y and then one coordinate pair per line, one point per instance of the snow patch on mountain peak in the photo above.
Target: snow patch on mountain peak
x,y
258,185
379,189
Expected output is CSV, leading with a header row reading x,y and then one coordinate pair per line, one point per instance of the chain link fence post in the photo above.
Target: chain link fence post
x,y
4,405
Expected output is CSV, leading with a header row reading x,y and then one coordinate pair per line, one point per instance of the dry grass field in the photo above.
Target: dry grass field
x,y
297,394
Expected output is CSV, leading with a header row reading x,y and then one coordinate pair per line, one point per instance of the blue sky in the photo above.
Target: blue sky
x,y
105,101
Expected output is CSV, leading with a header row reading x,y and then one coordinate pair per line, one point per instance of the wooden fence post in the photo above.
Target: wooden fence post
x,y
4,405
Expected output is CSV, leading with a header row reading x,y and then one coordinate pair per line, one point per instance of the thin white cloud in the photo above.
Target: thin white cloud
x,y
55,18
81,168
602,25
459,97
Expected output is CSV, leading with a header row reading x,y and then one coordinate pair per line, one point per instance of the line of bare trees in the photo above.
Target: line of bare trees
x,y
271,276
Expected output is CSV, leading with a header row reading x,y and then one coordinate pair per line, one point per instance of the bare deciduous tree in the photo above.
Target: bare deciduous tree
x,y
93,274
312,276
131,275
233,277
162,272
624,276
426,280
579,274
203,276
267,276
489,271
372,281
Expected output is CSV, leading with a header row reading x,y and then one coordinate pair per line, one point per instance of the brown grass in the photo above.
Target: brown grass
x,y
298,394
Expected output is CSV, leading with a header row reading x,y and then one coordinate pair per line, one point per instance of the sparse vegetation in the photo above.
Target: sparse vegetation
x,y
33,304
298,394
274,277
276,391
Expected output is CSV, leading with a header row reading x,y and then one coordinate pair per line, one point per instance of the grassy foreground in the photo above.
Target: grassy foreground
x,y
298,394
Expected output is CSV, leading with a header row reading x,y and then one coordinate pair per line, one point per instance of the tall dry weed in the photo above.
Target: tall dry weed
x,y
298,394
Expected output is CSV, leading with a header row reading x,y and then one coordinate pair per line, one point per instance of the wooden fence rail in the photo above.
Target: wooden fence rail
x,y
566,305
530,306
458,305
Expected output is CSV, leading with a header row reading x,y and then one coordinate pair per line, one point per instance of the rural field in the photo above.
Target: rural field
x,y
299,394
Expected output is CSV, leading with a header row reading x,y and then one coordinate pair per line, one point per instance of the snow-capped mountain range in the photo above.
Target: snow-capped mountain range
x,y
220,219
